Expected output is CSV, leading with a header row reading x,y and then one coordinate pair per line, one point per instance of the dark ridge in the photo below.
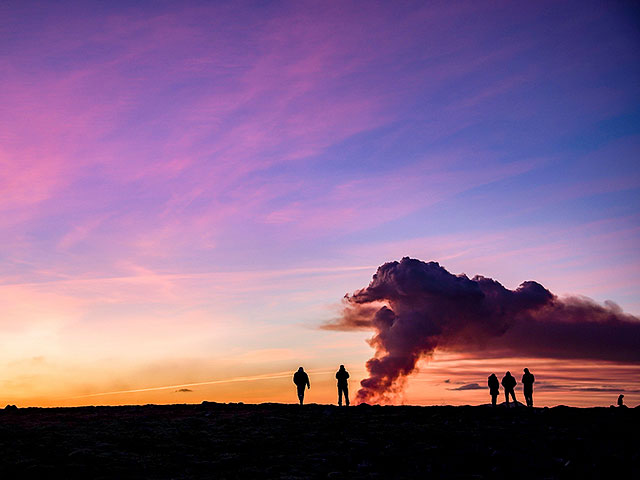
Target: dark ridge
x,y
214,440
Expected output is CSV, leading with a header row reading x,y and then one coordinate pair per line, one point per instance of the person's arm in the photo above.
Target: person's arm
x,y
308,383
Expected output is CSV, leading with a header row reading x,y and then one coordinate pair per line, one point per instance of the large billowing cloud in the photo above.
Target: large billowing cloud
x,y
415,307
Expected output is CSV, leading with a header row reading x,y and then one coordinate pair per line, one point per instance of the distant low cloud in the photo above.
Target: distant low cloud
x,y
184,390
468,386
577,388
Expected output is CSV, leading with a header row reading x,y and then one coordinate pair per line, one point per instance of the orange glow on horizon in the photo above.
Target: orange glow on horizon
x,y
448,379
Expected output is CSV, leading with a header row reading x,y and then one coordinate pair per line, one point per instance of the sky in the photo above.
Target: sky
x,y
189,189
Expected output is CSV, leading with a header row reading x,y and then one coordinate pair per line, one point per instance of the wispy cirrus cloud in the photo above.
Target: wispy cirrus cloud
x,y
468,386
201,171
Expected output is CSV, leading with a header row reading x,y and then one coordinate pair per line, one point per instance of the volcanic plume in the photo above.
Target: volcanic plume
x,y
415,307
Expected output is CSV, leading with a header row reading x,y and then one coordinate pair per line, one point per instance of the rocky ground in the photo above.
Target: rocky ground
x,y
318,441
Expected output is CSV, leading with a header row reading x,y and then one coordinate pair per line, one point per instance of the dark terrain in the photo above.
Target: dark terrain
x,y
318,441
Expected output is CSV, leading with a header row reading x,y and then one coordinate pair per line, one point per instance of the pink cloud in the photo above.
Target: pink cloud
x,y
156,161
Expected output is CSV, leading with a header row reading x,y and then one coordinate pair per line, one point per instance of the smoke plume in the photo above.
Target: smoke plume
x,y
415,307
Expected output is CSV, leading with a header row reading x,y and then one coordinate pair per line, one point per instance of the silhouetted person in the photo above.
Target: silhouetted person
x,y
301,379
494,388
343,386
621,402
509,383
527,386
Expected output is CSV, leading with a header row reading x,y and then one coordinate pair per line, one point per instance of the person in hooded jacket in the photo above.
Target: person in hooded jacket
x,y
301,379
527,386
494,388
509,384
343,386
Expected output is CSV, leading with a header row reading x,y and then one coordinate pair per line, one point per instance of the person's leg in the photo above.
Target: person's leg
x,y
494,397
301,395
513,394
506,397
339,396
346,395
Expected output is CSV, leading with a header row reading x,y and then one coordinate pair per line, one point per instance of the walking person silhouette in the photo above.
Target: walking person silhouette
x,y
301,379
494,388
509,383
343,386
527,386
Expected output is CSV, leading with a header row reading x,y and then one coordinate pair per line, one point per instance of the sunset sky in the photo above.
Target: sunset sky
x,y
189,189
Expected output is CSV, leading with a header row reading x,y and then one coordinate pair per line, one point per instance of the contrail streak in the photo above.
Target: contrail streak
x,y
267,376
257,274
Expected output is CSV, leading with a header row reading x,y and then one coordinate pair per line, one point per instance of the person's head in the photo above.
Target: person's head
x,y
492,375
301,369
341,367
508,374
526,370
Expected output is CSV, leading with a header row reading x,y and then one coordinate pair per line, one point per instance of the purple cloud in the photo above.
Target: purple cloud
x,y
416,307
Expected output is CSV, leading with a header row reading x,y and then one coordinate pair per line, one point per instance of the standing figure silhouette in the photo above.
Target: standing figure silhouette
x,y
301,379
494,388
527,386
343,387
509,383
